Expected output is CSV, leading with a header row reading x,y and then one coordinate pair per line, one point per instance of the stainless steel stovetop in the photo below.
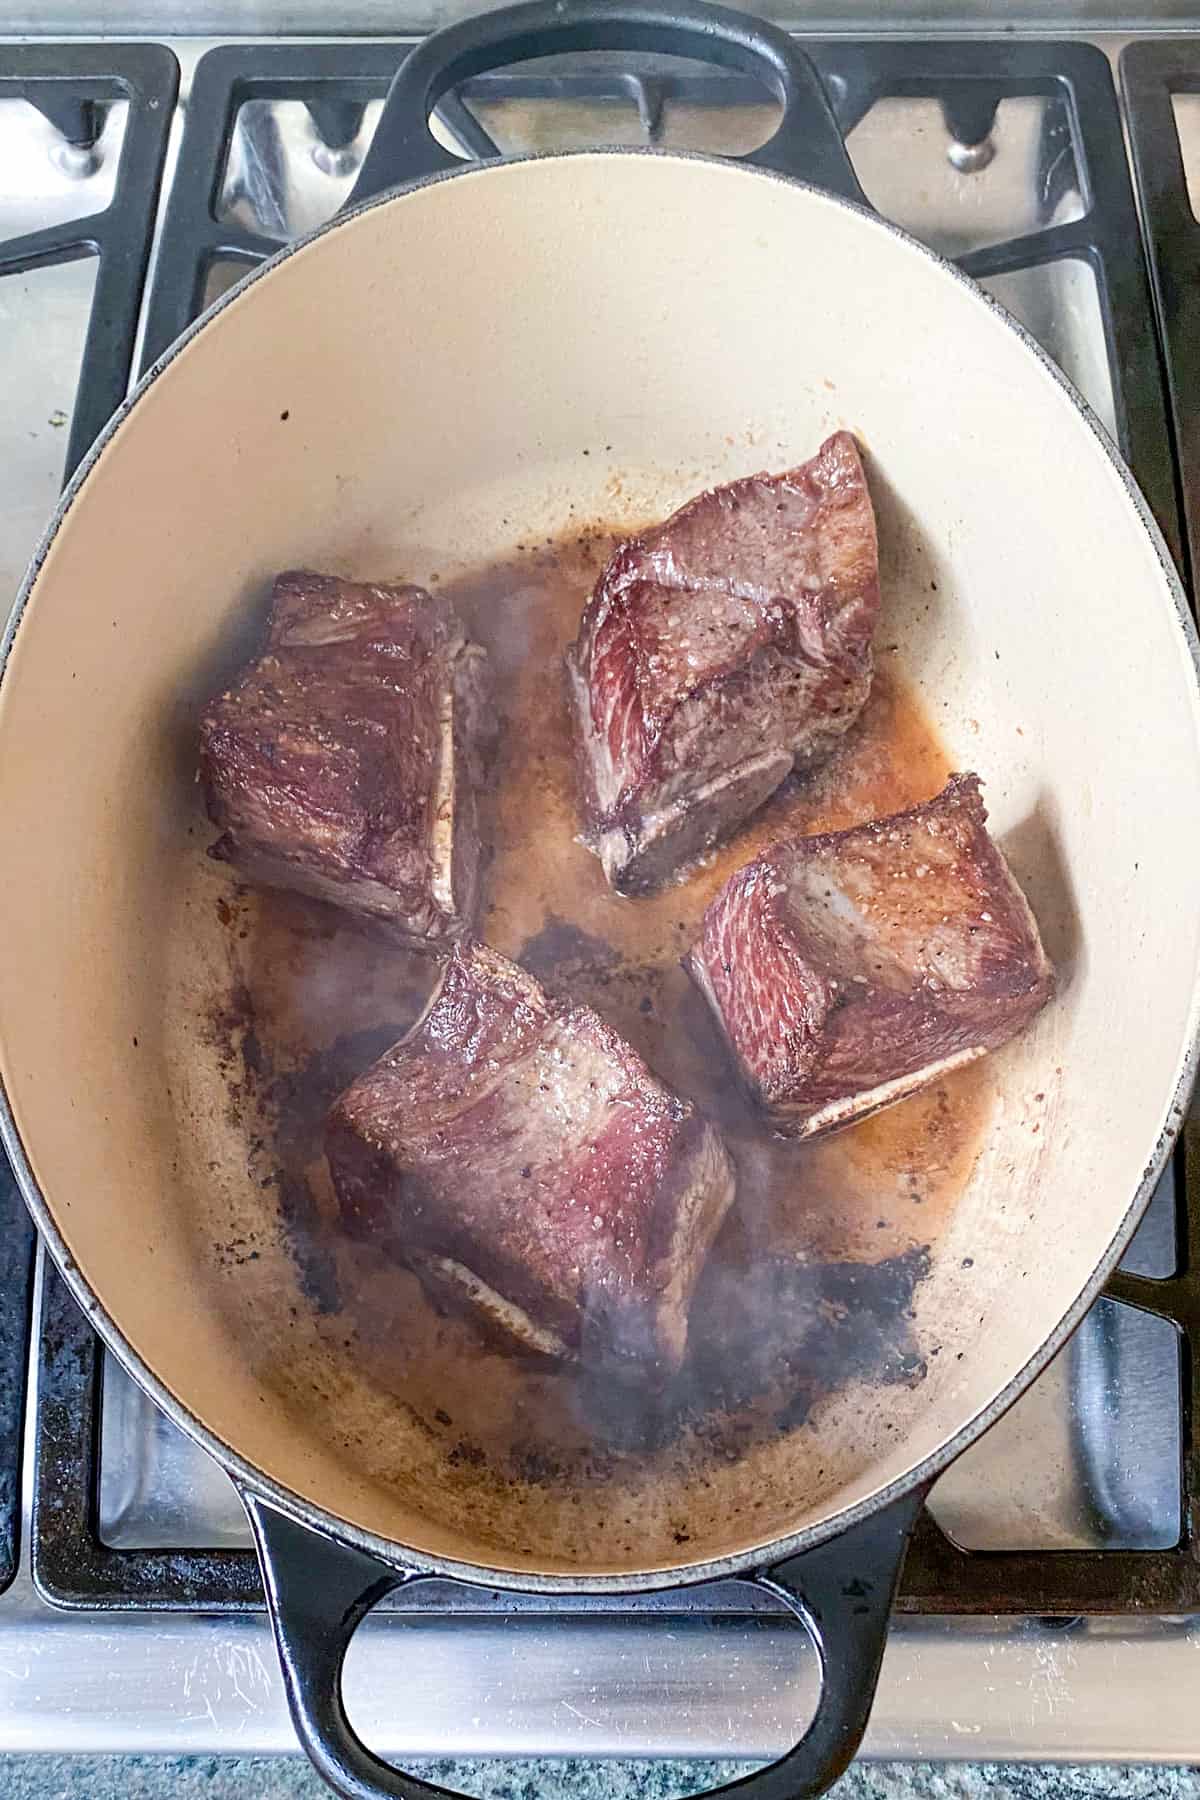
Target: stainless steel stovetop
x,y
1089,1458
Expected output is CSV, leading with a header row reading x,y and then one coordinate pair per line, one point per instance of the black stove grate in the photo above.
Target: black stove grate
x,y
969,79
72,85
1152,74
16,1292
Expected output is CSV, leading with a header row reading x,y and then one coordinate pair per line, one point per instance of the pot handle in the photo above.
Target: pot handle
x,y
318,1592
808,143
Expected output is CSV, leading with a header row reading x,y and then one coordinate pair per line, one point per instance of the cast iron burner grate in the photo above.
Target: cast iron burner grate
x,y
969,80
16,1290
1152,74
72,85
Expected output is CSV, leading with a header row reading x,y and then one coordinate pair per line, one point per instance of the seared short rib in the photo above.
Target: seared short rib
x,y
717,652
520,1157
850,969
343,761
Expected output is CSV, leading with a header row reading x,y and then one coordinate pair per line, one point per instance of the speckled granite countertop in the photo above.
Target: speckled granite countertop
x,y
236,1778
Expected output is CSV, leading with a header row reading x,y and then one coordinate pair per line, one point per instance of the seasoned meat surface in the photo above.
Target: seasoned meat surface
x,y
519,1156
343,762
717,652
849,969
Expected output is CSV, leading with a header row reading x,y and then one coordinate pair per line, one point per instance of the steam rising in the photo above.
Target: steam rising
x,y
811,1285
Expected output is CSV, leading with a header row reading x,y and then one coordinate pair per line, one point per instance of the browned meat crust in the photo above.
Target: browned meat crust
x,y
849,969
717,652
520,1157
343,761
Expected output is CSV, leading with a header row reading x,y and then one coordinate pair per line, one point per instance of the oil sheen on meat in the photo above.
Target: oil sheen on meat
x,y
343,761
718,651
850,968
523,1161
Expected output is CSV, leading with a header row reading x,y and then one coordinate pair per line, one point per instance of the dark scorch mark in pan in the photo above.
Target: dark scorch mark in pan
x,y
770,1339
771,1335
293,1103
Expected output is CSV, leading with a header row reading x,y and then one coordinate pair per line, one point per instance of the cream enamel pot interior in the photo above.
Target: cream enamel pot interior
x,y
485,357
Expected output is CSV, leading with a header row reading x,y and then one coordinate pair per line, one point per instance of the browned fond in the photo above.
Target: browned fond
x,y
810,1284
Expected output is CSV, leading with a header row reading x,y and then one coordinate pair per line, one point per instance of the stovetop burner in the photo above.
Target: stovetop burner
x,y
1102,1459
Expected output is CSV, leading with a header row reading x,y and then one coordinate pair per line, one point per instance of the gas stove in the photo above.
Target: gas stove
x,y
1050,1607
